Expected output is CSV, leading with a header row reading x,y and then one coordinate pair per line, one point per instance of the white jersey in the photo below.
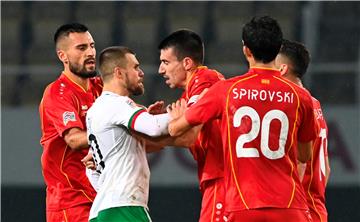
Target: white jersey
x,y
119,157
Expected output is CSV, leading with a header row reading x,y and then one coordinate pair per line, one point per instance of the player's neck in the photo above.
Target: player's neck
x,y
189,74
80,81
115,89
295,80
270,65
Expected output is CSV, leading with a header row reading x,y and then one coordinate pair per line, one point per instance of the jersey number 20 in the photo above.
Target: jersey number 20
x,y
264,124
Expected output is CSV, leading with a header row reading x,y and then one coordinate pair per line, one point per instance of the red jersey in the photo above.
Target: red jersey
x,y
206,148
262,117
64,106
314,181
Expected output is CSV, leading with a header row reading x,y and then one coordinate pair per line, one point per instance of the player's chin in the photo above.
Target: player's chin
x,y
172,86
139,90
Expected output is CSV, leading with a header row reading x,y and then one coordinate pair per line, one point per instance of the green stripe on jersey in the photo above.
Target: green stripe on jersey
x,y
132,117
123,214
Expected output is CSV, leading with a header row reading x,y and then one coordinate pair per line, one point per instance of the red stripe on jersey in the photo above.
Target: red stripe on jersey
x,y
133,118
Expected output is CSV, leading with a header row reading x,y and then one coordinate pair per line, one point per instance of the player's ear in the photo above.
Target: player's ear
x,y
188,63
62,56
247,52
283,69
118,72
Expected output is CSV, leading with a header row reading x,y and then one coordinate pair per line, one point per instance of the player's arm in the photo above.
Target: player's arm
x,y
301,167
178,125
151,125
327,165
91,172
308,130
154,144
76,138
304,151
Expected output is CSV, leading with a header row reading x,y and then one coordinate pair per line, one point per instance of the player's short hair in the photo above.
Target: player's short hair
x,y
66,29
185,43
111,57
263,36
298,56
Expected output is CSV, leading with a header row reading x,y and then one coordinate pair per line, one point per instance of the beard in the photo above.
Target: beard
x,y
81,71
138,91
135,90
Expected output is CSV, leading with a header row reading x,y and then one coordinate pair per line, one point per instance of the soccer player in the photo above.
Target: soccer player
x,y
69,194
123,175
267,125
181,57
293,60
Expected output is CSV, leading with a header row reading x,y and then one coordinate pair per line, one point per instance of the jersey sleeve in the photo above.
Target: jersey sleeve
x,y
125,112
207,108
63,111
152,125
135,117
309,127
200,83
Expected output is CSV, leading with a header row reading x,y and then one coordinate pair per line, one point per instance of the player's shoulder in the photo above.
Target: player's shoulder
x,y
304,95
211,72
235,79
207,74
301,91
58,89
96,81
117,101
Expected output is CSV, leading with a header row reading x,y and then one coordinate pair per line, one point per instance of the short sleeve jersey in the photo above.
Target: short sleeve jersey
x,y
314,181
64,106
206,150
262,117
119,157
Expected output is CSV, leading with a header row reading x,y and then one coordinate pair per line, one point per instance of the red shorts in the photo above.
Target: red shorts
x,y
213,200
74,214
269,215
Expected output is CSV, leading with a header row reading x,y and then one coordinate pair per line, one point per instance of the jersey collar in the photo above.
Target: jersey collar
x,y
67,79
264,71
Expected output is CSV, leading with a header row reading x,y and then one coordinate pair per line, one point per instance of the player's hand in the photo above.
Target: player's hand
x,y
88,161
157,108
177,109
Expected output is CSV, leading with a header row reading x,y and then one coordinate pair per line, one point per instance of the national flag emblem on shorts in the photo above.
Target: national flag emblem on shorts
x,y
68,116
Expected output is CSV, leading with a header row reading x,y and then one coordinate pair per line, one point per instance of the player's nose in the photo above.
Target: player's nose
x,y
161,70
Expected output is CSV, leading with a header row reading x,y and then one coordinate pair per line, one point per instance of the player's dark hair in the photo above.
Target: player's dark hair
x,y
185,43
66,29
112,57
298,56
263,36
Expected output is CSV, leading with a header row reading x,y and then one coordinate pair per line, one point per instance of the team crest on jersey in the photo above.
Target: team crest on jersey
x,y
68,116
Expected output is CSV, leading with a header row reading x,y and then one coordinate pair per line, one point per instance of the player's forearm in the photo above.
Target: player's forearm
x,y
188,138
301,167
76,139
327,173
154,144
152,125
178,126
304,151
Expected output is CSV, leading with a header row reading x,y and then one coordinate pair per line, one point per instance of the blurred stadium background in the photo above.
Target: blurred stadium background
x,y
331,30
